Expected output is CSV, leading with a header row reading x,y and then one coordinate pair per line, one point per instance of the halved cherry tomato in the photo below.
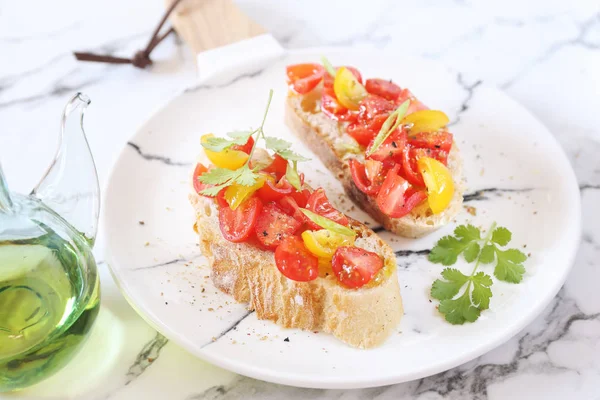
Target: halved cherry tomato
x,y
301,196
303,78
198,172
409,168
355,267
432,140
323,243
392,198
332,107
415,104
291,207
328,81
426,121
391,148
348,90
221,201
273,225
237,225
236,194
381,87
247,147
319,204
440,155
372,106
294,261
272,191
277,167
359,176
364,132
440,186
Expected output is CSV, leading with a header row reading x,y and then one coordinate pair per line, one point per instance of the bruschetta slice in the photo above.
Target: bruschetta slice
x,y
280,246
395,157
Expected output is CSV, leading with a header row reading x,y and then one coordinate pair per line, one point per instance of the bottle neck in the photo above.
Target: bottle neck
x,y
6,204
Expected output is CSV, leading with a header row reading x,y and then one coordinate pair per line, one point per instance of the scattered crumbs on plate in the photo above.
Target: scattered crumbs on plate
x,y
150,359
482,172
141,223
234,342
214,339
146,244
166,303
203,289
471,210
162,294
168,209
264,338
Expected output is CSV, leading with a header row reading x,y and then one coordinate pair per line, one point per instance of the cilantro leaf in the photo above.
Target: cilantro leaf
x,y
481,293
212,191
443,290
467,233
460,310
501,236
471,251
216,144
291,174
488,254
218,176
291,156
276,144
446,251
510,265
241,137
246,176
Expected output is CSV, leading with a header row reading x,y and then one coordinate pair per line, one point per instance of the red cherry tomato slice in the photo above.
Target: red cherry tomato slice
x,y
247,147
319,204
355,267
198,172
372,106
432,140
303,78
237,225
221,199
410,169
277,167
271,191
391,148
273,225
294,260
290,207
440,155
362,182
328,81
415,104
301,196
396,199
386,89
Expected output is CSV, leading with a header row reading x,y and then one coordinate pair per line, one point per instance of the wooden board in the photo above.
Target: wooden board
x,y
206,24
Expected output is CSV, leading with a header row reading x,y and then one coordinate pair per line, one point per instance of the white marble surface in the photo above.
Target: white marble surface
x,y
545,54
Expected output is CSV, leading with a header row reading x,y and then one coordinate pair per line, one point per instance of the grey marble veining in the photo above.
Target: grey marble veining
x,y
545,54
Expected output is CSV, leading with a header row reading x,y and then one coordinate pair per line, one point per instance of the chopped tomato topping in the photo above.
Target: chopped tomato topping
x,y
361,180
273,225
372,106
277,167
415,104
410,169
303,78
432,140
294,260
272,191
328,81
440,155
319,204
332,107
392,200
198,172
221,201
237,225
355,267
381,87
391,148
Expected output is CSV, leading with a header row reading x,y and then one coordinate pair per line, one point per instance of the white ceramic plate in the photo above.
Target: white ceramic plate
x,y
516,173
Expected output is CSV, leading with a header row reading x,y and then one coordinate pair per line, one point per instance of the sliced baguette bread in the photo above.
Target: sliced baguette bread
x,y
362,317
329,141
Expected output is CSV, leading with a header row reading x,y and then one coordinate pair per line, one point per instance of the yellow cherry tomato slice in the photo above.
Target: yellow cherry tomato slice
x,y
230,159
426,121
323,243
237,194
437,178
347,88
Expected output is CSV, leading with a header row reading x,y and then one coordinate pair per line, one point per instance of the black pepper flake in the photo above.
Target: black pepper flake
x,y
166,303
265,233
287,339
394,145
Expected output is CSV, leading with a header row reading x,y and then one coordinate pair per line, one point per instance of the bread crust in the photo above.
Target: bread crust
x,y
362,317
326,138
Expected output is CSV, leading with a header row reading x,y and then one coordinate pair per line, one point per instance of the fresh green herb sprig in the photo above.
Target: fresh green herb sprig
x,y
221,178
328,66
392,122
475,297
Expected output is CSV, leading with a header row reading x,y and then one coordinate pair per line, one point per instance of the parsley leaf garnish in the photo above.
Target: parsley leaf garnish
x,y
221,178
463,297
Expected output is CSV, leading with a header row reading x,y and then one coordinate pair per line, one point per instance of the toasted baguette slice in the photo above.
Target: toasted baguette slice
x,y
362,317
330,142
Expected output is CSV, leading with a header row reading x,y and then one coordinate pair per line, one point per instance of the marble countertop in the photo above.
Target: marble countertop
x,y
545,54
